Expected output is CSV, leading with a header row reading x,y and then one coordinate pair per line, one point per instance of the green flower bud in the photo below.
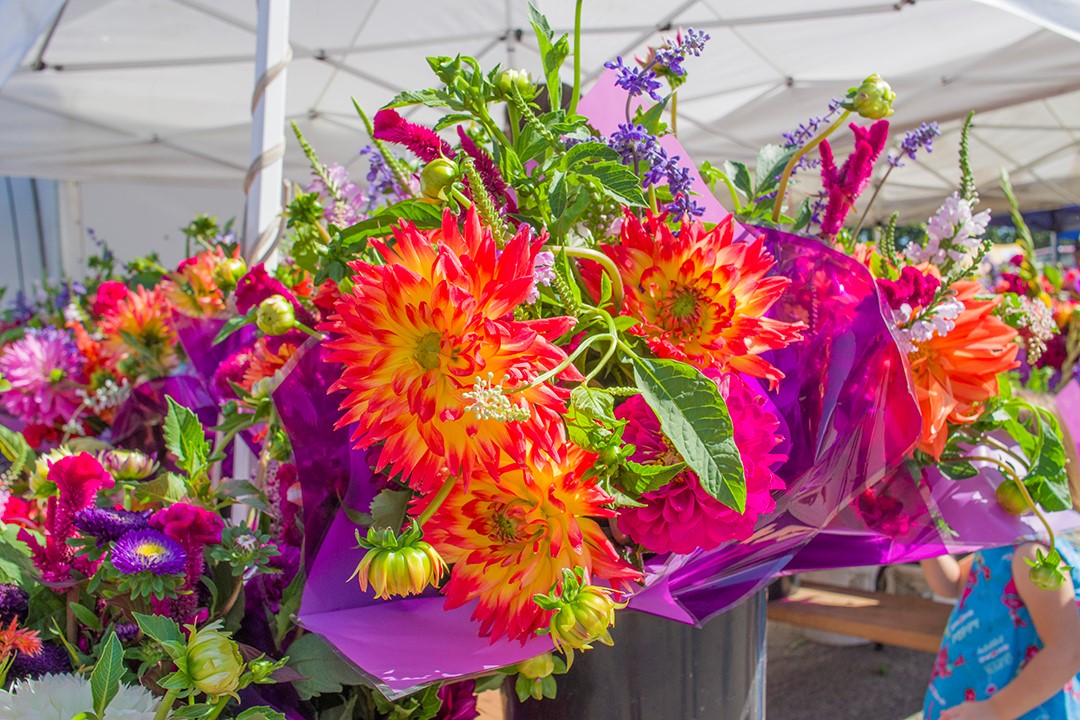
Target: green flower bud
x,y
873,99
437,176
276,315
228,272
398,565
583,613
538,667
1010,498
129,464
507,80
262,388
1047,578
261,670
214,663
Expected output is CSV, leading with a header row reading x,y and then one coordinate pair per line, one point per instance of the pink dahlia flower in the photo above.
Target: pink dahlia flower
x,y
45,370
682,517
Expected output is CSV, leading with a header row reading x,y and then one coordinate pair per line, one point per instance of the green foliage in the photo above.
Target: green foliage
x,y
322,668
105,679
694,416
186,439
967,178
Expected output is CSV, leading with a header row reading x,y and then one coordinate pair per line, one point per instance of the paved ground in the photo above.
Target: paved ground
x,y
812,681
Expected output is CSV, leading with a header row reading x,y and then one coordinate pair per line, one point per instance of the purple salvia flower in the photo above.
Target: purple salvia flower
x,y
350,209
921,138
110,525
683,205
148,551
693,43
635,81
382,185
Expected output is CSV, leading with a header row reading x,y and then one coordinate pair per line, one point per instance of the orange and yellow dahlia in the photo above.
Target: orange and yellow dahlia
x,y
954,374
192,289
511,534
701,297
140,327
418,335
268,355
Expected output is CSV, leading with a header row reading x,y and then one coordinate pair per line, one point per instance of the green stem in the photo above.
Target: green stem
x,y
553,372
219,706
460,197
607,263
652,198
790,167
440,498
305,329
575,95
613,333
675,114
166,705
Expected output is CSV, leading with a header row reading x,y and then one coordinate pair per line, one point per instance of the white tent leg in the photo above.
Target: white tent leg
x,y
263,183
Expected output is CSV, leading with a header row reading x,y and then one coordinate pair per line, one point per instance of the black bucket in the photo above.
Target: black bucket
x,y
663,670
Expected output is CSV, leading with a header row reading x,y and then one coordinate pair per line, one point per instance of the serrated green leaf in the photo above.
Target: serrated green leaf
x,y
586,151
422,214
770,163
159,628
558,194
552,54
388,509
593,403
451,119
957,470
233,324
694,416
191,712
741,177
430,98
105,679
637,479
323,669
616,181
185,438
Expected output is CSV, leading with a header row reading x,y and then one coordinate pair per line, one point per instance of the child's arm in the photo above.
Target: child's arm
x,y
945,575
1057,621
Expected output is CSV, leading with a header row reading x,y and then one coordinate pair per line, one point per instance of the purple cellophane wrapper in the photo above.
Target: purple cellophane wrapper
x,y
140,420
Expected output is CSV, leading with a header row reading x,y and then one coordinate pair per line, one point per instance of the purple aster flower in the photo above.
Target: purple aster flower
x,y
14,603
148,551
52,660
634,80
915,140
44,368
110,525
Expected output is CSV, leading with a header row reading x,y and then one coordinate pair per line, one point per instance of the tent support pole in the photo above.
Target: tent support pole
x,y
263,184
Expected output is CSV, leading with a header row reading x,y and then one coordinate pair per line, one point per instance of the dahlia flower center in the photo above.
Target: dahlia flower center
x,y
504,528
670,456
685,305
427,351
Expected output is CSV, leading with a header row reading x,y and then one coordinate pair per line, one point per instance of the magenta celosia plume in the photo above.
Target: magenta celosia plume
x,y
78,480
421,141
843,185
681,516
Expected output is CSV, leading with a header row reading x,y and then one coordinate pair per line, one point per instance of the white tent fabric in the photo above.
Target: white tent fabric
x,y
159,90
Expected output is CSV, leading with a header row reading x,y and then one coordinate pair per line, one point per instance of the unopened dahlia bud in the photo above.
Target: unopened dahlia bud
x,y
583,613
214,663
873,99
276,315
129,464
436,177
228,272
395,564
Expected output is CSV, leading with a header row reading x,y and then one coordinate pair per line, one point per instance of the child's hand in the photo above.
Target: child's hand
x,y
971,711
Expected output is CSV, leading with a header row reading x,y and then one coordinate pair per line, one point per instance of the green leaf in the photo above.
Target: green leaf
x,y
192,712
260,713
16,565
739,175
159,628
616,181
323,669
770,163
86,616
593,403
586,151
235,323
14,447
694,416
651,119
431,98
105,679
571,215
185,438
558,194
388,509
552,54
424,215
244,492
957,469
452,119
167,486
637,479
1047,480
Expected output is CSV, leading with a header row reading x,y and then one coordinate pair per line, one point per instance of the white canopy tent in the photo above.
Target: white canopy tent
x,y
159,91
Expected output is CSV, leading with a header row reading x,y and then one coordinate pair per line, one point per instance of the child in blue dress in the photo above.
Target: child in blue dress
x,y
1011,651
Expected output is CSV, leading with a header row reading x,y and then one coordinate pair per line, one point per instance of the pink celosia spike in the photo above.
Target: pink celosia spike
x,y
423,142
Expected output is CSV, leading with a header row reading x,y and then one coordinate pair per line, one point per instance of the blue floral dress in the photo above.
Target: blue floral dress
x,y
990,637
